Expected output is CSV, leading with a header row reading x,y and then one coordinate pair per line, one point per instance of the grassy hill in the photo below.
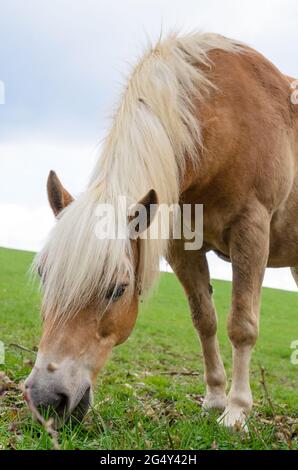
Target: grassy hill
x,y
149,394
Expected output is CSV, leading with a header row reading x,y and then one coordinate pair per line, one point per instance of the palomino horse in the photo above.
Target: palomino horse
x,y
206,120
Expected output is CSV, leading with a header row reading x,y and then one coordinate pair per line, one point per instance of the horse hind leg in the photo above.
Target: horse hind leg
x,y
295,274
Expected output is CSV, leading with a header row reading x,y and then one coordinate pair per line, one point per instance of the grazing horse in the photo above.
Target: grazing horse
x,y
203,119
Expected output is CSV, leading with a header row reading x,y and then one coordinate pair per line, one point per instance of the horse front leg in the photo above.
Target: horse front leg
x,y
249,250
192,270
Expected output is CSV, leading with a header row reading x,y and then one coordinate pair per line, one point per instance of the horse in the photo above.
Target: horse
x,y
203,119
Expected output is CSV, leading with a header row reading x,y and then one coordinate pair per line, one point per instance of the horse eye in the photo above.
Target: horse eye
x,y
116,292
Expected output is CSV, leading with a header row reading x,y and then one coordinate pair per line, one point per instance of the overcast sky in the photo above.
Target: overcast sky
x,y
63,63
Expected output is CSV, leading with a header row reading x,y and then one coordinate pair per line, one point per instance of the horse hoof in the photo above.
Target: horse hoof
x,y
234,418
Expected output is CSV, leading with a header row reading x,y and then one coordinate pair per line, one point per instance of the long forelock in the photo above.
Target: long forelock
x,y
76,267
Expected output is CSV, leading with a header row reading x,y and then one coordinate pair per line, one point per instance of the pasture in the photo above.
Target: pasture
x,y
149,395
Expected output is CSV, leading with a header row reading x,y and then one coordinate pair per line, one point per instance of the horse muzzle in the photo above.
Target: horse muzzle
x,y
63,391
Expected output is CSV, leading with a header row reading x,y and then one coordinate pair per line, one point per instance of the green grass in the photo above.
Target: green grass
x,y
142,400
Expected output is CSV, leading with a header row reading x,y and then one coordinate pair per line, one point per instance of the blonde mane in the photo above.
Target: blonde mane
x,y
153,131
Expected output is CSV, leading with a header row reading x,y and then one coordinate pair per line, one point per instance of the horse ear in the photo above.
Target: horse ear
x,y
143,213
58,197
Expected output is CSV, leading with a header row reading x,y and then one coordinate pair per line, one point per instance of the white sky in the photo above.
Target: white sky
x,y
63,63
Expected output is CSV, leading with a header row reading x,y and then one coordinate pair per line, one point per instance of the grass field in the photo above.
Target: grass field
x,y
149,394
